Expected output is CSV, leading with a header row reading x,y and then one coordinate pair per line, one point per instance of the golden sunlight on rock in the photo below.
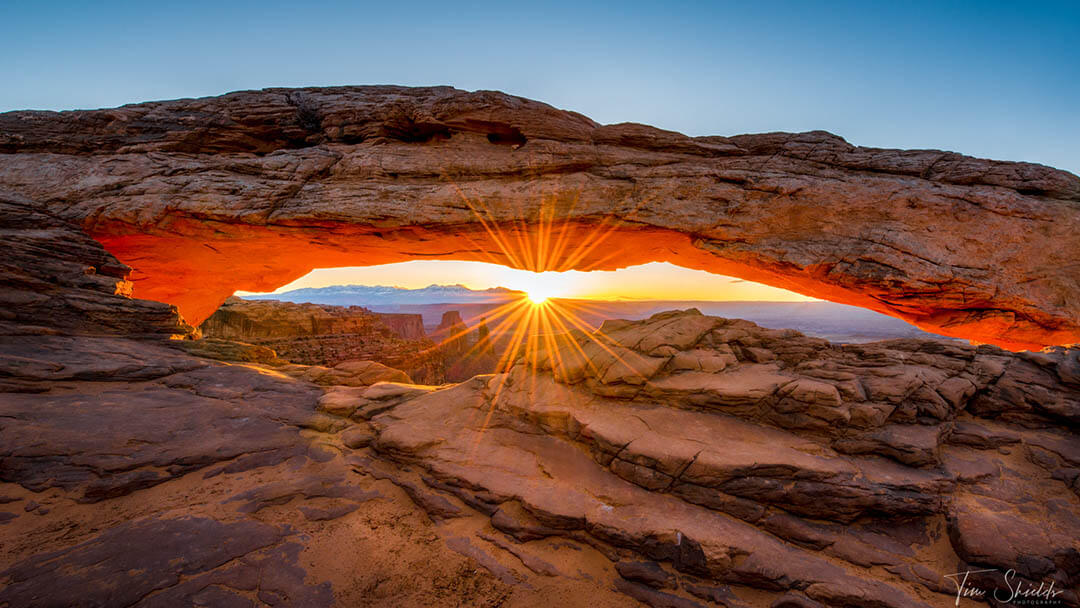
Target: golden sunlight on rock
x,y
427,174
574,396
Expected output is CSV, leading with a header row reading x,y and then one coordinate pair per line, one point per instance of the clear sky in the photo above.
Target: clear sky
x,y
987,78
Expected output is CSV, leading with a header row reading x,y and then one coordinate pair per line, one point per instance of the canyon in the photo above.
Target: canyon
x,y
682,460
338,336
328,336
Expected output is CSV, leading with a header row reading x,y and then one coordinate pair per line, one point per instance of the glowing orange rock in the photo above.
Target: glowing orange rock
x,y
251,190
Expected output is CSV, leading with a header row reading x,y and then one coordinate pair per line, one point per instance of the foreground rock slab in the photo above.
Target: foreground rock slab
x,y
134,474
792,465
682,460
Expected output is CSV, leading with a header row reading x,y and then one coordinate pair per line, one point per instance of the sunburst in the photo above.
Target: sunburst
x,y
538,296
540,323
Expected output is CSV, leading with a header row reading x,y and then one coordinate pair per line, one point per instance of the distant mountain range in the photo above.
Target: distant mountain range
x,y
380,295
835,322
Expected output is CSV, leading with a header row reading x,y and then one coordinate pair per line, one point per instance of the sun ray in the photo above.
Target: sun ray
x,y
505,363
493,331
561,243
593,335
502,310
530,345
567,333
607,227
510,322
539,324
502,365
492,229
585,307
554,357
546,220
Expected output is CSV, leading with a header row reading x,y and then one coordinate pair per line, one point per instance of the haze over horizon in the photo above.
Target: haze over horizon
x,y
653,281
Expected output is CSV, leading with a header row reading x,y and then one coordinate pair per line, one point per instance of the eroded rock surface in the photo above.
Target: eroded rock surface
x,y
262,320
162,551
54,279
331,336
135,474
254,189
678,461
763,459
682,460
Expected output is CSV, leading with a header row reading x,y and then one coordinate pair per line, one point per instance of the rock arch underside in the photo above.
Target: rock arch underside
x,y
251,190
681,460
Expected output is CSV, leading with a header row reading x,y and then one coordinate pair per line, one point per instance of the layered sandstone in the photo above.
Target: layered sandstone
x,y
322,335
734,458
56,279
241,319
132,474
253,189
682,460
452,333
408,326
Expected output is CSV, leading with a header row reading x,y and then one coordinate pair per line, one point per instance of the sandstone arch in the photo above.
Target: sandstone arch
x,y
253,189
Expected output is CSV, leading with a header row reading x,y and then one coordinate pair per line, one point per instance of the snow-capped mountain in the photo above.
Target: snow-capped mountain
x,y
380,295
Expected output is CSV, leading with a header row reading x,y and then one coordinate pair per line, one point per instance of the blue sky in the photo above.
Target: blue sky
x,y
992,79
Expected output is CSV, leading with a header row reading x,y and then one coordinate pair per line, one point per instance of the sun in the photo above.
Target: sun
x,y
538,295
539,287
